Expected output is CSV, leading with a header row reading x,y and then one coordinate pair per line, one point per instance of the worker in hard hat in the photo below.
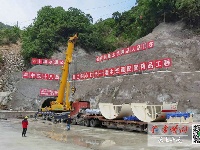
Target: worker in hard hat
x,y
69,121
24,126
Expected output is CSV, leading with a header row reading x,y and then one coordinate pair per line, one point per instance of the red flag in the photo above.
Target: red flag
x,y
117,70
50,62
111,71
91,75
82,76
133,49
109,56
86,75
151,65
122,52
105,57
34,61
55,62
77,76
127,50
45,61
101,58
38,75
136,68
113,55
138,47
118,53
167,62
32,75
39,61
150,44
96,74
61,62
144,46
25,75
106,72
143,66
101,73
123,70
158,63
51,77
129,68
45,76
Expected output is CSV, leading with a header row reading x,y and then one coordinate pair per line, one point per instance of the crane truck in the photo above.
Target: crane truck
x,y
57,107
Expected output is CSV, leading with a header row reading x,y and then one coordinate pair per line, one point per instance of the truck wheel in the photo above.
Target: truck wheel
x,y
93,123
74,122
87,123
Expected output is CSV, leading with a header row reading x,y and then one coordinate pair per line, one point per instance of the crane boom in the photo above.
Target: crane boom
x,y
65,69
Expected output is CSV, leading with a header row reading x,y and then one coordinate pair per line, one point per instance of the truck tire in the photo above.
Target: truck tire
x,y
87,123
93,123
74,122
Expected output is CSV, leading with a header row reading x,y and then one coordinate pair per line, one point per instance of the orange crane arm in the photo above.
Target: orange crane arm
x,y
65,72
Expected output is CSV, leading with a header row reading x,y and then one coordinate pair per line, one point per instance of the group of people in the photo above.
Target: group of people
x,y
25,124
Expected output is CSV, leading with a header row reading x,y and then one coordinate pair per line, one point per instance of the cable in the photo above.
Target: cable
x,y
85,9
107,5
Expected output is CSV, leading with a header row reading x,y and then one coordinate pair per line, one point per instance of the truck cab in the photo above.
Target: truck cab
x,y
77,106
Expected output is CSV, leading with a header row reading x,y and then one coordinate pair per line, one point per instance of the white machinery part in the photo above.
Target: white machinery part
x,y
149,113
146,113
110,111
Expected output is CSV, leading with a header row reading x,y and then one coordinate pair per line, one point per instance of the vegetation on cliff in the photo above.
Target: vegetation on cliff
x,y
53,26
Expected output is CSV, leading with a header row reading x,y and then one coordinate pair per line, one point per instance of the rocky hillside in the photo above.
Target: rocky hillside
x,y
171,40
10,70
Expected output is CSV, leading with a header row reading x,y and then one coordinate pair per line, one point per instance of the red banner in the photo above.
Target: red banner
x,y
124,51
120,70
41,76
36,61
47,92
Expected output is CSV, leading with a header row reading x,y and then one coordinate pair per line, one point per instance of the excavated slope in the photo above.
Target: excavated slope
x,y
171,40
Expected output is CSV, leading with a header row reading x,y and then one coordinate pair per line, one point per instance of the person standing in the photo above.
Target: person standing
x,y
24,126
69,121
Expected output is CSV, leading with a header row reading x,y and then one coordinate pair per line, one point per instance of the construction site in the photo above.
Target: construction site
x,y
141,96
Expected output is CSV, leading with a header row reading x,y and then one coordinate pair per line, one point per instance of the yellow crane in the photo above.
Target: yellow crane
x,y
58,105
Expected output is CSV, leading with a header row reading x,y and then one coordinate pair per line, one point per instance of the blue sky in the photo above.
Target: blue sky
x,y
24,11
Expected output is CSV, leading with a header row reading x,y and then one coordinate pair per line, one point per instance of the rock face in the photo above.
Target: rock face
x,y
10,70
170,40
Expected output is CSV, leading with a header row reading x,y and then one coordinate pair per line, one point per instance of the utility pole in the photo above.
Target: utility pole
x,y
17,23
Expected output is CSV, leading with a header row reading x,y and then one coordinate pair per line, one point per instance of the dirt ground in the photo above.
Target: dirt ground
x,y
43,134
